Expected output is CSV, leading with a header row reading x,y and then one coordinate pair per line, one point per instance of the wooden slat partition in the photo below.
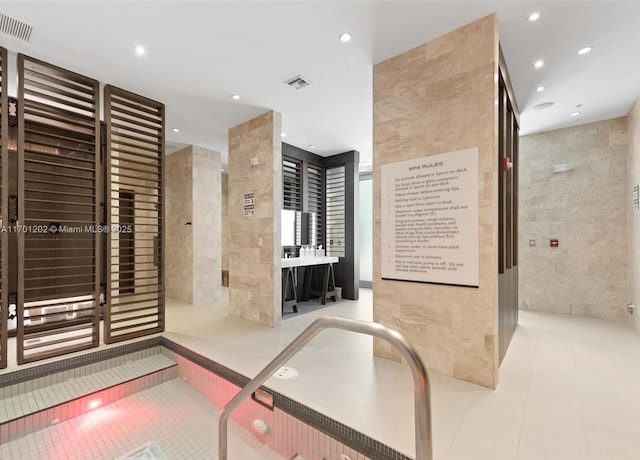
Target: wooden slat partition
x,y
4,168
292,185
335,214
315,191
59,185
135,210
507,217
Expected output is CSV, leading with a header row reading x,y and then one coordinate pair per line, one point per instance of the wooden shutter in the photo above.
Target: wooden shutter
x,y
135,183
292,181
335,193
58,210
4,216
315,181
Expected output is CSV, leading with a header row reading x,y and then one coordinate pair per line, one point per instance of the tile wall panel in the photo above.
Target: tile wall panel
x,y
255,167
633,179
194,231
437,98
583,208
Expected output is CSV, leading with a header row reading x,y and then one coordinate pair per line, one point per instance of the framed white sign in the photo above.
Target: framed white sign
x,y
430,228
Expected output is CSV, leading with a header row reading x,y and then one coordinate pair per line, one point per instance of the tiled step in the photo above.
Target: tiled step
x,y
32,405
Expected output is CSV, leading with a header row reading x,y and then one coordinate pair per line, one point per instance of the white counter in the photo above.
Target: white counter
x,y
307,261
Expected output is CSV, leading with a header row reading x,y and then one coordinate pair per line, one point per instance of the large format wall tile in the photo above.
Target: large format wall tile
x,y
584,208
225,222
633,175
438,98
179,250
207,226
194,237
255,167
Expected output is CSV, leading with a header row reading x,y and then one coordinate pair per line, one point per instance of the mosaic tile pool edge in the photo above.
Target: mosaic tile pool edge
x,y
55,367
364,445
78,406
343,434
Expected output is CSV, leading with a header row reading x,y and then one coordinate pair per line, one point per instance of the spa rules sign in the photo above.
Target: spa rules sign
x,y
430,219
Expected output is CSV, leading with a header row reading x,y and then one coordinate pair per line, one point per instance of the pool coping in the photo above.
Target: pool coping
x,y
342,433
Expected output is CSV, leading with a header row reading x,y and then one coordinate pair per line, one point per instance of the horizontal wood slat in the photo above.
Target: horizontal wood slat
x,y
135,187
4,214
58,181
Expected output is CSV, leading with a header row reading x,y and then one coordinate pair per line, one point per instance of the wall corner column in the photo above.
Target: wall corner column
x,y
438,98
255,201
633,214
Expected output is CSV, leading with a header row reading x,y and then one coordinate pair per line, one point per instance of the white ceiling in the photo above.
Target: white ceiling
x,y
199,53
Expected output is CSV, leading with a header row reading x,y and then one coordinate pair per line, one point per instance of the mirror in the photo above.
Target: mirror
x,y
297,228
288,228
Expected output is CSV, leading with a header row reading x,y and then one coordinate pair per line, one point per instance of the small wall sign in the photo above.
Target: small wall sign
x,y
249,204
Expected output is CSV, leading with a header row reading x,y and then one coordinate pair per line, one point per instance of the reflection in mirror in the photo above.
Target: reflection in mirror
x,y
297,228
288,228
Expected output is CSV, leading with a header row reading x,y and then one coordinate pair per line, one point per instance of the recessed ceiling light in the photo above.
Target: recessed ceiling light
x,y
539,63
235,97
345,37
222,170
585,50
312,146
540,89
575,114
534,16
140,51
176,130
283,135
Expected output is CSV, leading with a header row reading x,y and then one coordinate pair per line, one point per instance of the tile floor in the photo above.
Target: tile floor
x,y
181,422
569,387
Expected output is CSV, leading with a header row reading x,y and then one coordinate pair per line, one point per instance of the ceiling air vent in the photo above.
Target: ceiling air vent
x,y
15,28
298,82
543,105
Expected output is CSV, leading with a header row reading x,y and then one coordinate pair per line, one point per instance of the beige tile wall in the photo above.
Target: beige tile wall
x,y
254,246
193,194
179,250
437,98
225,222
207,225
633,179
585,209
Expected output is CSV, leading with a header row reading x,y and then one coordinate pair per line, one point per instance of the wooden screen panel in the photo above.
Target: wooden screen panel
x,y
510,119
292,184
134,162
335,216
315,191
59,178
4,168
516,184
502,107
